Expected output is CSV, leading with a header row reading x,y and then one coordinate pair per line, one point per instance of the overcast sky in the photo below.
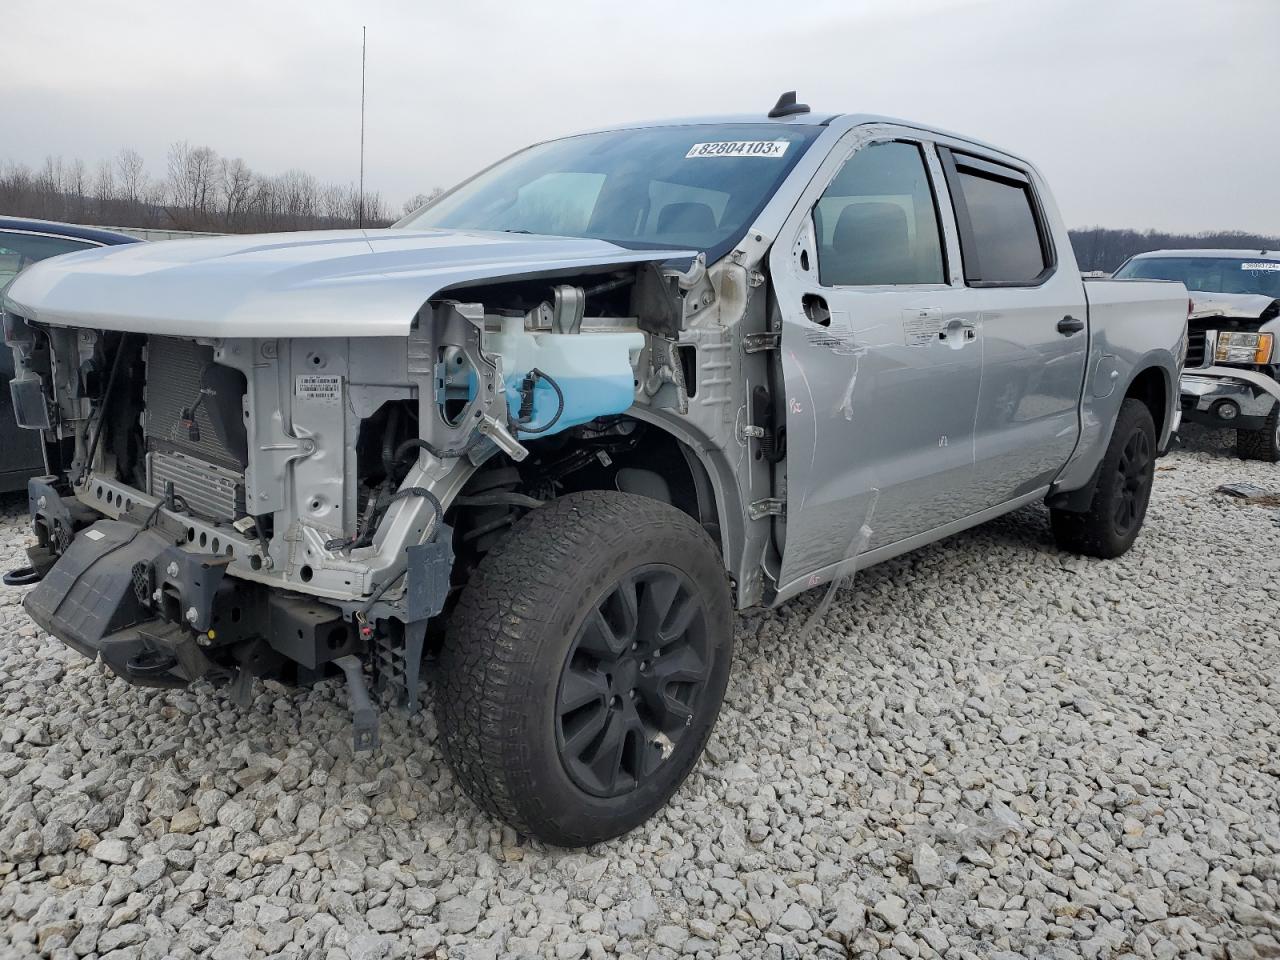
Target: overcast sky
x,y
1142,113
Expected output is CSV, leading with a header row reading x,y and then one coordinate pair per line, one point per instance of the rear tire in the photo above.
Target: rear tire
x,y
1261,444
1120,497
584,666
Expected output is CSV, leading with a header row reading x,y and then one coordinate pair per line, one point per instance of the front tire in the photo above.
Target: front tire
x,y
1263,444
1119,506
584,666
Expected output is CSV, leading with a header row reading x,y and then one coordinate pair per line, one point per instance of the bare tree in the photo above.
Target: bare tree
x,y
77,190
237,186
51,188
104,191
133,183
193,174
201,191
421,199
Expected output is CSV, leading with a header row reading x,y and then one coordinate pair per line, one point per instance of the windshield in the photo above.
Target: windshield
x,y
694,187
1209,274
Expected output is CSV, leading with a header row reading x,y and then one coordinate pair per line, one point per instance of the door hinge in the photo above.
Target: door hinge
x,y
767,508
757,342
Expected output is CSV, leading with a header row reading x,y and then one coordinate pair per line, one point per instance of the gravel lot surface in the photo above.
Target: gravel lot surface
x,y
986,749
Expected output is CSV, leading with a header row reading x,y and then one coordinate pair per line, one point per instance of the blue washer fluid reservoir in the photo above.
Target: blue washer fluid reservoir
x,y
593,370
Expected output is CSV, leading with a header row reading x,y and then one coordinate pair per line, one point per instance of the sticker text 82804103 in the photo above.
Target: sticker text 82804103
x,y
739,148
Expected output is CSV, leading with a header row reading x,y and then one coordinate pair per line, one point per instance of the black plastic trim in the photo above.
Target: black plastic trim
x,y
953,162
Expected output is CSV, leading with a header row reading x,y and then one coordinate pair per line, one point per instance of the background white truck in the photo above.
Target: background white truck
x,y
1232,375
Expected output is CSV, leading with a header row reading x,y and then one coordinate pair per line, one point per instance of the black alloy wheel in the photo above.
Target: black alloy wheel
x,y
631,682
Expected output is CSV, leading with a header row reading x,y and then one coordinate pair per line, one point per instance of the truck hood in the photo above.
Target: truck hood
x,y
335,283
1241,306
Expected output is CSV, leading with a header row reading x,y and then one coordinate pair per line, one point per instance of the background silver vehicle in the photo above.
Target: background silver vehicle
x,y
557,425
1232,376
22,243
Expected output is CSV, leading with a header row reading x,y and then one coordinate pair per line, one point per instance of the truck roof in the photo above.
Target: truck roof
x,y
1252,253
842,121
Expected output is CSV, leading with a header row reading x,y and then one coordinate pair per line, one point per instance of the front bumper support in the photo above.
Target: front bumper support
x,y
1251,394
94,601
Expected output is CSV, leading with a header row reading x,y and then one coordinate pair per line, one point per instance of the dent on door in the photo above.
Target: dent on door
x,y
881,373
879,402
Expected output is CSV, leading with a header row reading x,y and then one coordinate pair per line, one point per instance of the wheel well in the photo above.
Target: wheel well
x,y
1149,387
658,466
621,453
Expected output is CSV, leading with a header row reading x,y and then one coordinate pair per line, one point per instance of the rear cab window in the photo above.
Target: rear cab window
x,y
1004,240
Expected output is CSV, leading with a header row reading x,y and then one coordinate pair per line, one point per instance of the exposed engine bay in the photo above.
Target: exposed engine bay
x,y
239,507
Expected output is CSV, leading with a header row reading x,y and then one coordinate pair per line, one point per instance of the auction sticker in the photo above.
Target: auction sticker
x,y
921,327
739,148
1261,265
323,388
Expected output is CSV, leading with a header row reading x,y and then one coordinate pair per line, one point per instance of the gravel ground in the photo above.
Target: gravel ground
x,y
986,749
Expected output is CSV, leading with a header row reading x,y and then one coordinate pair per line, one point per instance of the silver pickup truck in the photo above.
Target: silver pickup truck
x,y
1232,375
542,437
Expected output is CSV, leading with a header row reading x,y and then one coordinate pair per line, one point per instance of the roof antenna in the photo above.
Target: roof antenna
x,y
360,202
786,106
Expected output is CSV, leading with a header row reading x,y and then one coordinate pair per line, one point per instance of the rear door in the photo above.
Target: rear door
x,y
881,369
1023,291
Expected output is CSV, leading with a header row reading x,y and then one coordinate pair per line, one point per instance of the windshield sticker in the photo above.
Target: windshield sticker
x,y
739,148
1261,265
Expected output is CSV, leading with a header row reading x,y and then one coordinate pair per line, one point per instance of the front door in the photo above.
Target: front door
x,y
881,366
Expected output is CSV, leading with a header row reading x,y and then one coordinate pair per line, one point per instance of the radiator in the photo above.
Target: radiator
x,y
209,490
206,470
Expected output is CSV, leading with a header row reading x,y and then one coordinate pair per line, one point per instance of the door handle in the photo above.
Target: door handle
x,y
958,332
1069,325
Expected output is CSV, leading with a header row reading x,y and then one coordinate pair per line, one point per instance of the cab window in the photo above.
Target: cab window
x,y
877,222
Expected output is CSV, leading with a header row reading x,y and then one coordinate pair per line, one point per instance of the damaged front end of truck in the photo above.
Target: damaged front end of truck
x,y
230,497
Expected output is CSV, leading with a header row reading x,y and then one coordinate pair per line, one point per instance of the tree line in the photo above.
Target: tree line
x,y
199,190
